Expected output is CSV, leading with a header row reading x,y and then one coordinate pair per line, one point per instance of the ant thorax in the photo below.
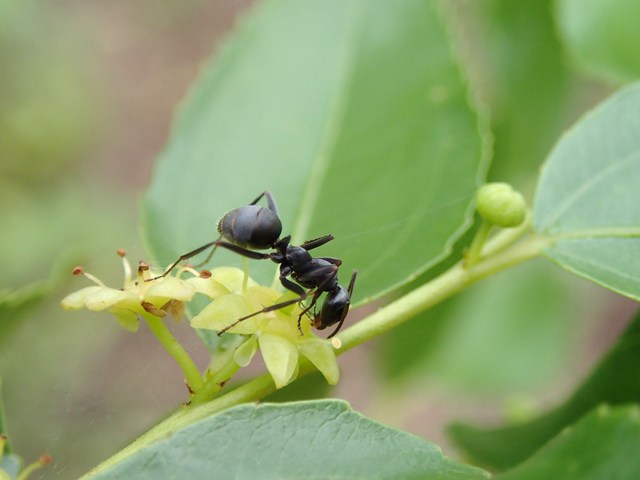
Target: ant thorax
x,y
297,257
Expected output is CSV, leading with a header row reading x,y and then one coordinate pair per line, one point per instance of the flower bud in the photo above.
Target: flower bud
x,y
501,205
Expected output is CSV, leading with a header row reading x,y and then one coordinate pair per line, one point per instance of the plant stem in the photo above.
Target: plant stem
x,y
171,345
440,288
480,238
215,382
29,469
508,236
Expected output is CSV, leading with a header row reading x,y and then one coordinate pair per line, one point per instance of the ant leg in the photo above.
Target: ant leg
x,y
292,287
312,304
350,291
334,261
241,251
317,242
270,308
352,282
213,250
182,258
271,202
295,288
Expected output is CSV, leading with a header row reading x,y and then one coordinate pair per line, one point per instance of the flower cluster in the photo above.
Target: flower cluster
x,y
275,333
137,297
234,295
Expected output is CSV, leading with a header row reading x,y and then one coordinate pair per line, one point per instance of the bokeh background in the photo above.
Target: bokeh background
x,y
88,89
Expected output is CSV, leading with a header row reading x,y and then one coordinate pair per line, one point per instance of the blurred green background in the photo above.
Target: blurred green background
x,y
87,93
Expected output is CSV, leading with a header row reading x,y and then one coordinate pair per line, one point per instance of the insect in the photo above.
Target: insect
x,y
253,227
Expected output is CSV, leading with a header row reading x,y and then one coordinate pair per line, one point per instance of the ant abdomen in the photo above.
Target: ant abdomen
x,y
251,226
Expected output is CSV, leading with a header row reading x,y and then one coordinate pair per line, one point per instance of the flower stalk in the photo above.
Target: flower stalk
x,y
37,465
174,348
215,382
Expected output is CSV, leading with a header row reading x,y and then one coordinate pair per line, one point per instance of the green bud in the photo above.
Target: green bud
x,y
501,205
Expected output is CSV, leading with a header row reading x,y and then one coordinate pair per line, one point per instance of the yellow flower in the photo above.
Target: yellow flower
x,y
275,333
138,296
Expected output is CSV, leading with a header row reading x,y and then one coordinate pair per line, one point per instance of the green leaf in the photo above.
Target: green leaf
x,y
602,36
353,114
14,304
588,196
601,446
321,439
518,41
616,380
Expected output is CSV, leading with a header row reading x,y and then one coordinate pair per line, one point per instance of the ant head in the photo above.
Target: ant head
x,y
334,310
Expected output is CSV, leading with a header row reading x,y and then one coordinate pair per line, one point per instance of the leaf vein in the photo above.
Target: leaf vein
x,y
587,186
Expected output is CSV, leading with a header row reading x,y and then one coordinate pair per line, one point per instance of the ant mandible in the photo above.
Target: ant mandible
x,y
255,227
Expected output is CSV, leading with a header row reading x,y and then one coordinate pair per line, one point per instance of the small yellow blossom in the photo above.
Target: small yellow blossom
x,y
138,296
276,332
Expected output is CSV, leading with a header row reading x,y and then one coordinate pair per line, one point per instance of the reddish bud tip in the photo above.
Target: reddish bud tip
x,y
45,459
121,252
77,270
205,274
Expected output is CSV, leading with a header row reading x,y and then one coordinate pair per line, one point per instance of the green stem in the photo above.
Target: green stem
x,y
215,383
440,288
171,345
480,238
29,469
508,236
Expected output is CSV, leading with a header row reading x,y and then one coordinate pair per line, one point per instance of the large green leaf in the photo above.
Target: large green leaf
x,y
353,113
476,334
14,304
519,41
601,446
616,380
321,439
602,36
588,196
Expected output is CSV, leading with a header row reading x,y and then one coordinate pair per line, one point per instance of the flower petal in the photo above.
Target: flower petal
x,y
126,318
208,286
78,299
245,352
277,324
224,311
109,297
169,288
321,354
280,357
231,278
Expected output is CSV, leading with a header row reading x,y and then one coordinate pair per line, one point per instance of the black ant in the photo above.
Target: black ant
x,y
259,228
